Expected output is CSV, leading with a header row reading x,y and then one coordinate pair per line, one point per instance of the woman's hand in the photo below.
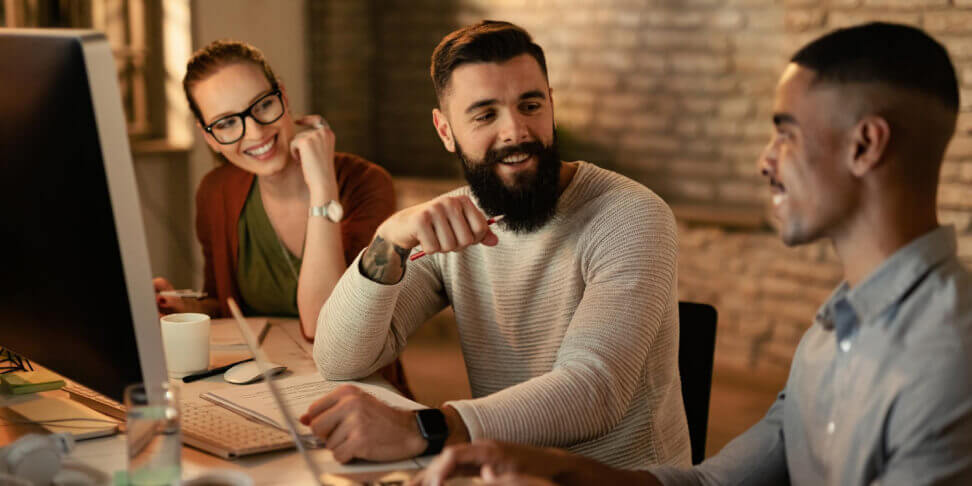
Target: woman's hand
x,y
167,305
313,149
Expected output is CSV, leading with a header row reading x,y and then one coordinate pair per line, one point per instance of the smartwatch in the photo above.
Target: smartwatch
x,y
432,426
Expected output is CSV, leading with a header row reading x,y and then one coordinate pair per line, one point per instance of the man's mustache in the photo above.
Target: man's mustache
x,y
494,156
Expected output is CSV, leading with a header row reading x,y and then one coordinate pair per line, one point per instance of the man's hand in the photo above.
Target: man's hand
x,y
503,463
493,461
444,224
354,424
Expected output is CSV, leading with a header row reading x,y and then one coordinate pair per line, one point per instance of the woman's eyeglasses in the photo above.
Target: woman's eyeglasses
x,y
266,110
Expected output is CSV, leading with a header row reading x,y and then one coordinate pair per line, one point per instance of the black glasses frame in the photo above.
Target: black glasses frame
x,y
248,112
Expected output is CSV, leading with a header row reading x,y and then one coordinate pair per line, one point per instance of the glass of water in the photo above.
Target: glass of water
x,y
154,438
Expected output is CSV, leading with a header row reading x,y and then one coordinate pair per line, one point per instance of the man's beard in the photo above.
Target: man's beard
x,y
532,201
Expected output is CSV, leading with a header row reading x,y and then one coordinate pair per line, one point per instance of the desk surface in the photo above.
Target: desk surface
x,y
284,345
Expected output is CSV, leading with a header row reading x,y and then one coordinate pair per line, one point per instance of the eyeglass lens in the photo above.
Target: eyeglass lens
x,y
266,110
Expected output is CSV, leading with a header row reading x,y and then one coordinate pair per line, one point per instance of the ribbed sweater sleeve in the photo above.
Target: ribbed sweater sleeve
x,y
363,325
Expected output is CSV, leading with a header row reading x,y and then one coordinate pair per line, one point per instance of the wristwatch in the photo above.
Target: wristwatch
x,y
432,426
333,211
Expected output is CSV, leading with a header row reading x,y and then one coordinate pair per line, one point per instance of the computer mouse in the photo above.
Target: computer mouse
x,y
249,372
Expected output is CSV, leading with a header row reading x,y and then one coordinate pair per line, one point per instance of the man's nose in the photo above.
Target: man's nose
x,y
514,130
766,162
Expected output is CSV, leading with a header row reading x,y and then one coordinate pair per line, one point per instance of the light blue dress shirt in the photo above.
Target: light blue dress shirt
x,y
880,389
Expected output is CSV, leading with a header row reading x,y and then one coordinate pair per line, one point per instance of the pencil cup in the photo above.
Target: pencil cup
x,y
185,338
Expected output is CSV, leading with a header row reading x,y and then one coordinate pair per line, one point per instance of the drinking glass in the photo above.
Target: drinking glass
x,y
154,438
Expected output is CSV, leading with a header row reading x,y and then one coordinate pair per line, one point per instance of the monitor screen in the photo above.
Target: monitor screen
x,y
75,284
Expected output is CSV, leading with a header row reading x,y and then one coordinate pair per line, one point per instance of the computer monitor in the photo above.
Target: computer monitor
x,y
75,285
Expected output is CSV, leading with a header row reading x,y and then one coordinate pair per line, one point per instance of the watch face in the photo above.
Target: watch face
x,y
334,211
432,424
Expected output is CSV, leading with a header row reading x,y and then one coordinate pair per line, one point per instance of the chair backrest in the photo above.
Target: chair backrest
x,y
696,348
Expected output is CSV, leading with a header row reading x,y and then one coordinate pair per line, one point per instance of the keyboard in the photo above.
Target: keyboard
x,y
205,426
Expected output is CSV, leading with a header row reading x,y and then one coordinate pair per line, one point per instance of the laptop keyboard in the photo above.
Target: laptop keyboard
x,y
204,425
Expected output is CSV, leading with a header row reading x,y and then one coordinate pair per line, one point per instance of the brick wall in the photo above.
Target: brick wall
x,y
674,93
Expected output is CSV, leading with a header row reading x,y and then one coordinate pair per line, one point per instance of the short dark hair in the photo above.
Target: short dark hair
x,y
218,54
487,41
899,55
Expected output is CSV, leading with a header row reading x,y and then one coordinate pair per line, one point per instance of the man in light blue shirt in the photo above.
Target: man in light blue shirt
x,y
880,389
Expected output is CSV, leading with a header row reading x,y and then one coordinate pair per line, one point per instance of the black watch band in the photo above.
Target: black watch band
x,y
432,426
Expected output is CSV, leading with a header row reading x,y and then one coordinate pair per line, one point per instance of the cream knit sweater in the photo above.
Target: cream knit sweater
x,y
569,333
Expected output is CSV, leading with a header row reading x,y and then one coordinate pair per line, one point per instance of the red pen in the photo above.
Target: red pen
x,y
421,254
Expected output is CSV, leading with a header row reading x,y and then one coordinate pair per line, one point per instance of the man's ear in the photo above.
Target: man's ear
x,y
550,95
442,129
869,144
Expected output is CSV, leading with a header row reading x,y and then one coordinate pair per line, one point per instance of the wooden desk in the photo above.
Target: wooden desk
x,y
283,345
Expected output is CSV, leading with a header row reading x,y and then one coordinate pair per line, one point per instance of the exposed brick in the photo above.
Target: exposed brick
x,y
637,141
593,80
689,128
914,4
699,63
965,173
960,147
667,40
727,19
838,19
751,3
695,105
618,61
651,62
720,85
740,192
648,121
949,21
801,20
736,108
675,18
695,167
765,19
955,195
691,188
962,220
965,97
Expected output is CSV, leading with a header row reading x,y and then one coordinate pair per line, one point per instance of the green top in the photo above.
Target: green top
x,y
267,283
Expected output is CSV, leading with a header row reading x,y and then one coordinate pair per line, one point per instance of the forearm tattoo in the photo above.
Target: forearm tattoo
x,y
384,262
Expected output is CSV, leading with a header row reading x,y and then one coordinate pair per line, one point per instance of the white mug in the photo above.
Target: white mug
x,y
185,338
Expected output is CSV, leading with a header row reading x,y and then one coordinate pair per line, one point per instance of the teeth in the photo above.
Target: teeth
x,y
778,199
515,159
262,149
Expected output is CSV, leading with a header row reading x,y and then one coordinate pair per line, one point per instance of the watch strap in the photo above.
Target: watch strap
x,y
432,426
332,211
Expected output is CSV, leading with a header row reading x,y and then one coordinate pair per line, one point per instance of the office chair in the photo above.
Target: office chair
x,y
696,348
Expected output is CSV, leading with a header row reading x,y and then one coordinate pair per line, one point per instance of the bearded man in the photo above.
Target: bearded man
x,y
566,307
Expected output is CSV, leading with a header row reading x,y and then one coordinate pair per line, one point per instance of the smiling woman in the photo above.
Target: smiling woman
x,y
282,217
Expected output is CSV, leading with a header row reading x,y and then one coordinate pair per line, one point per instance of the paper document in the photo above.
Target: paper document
x,y
225,334
299,392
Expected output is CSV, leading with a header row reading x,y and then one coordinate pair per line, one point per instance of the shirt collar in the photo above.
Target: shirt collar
x,y
893,278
